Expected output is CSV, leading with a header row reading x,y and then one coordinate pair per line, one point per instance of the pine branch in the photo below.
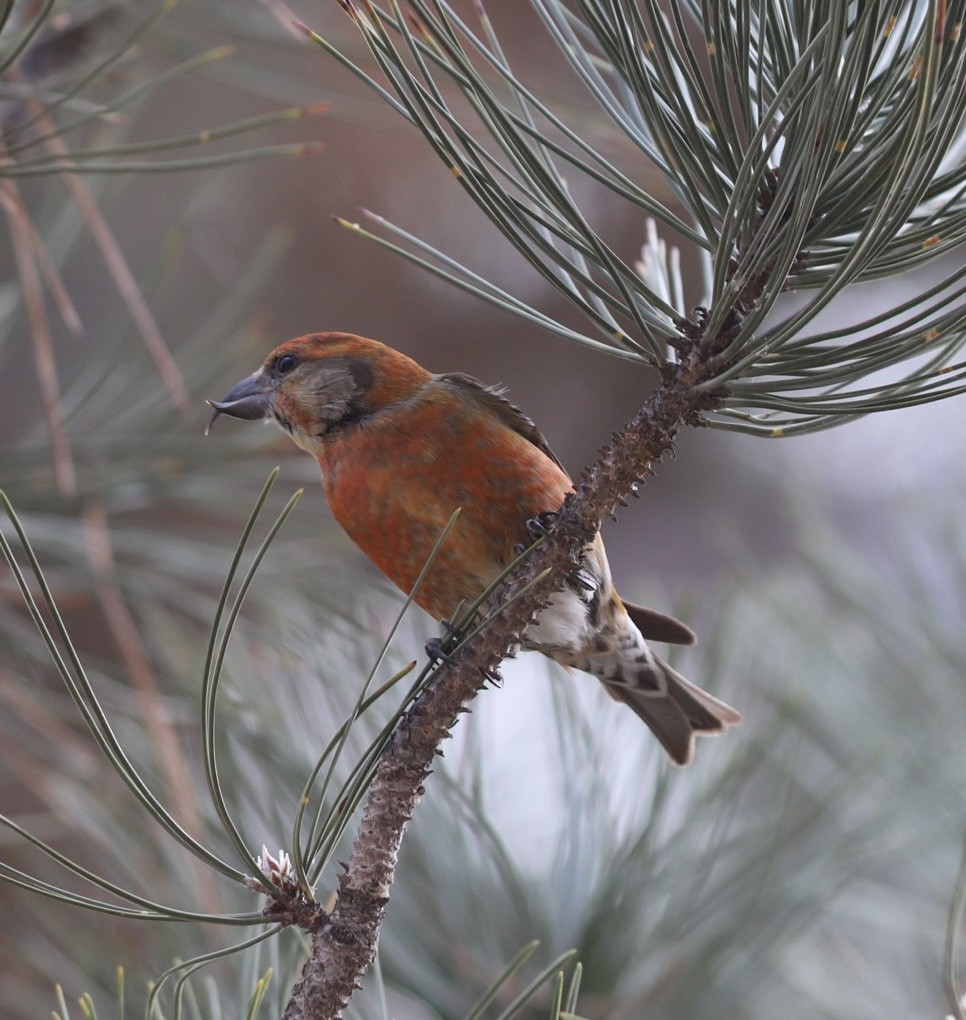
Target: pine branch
x,y
791,178
344,940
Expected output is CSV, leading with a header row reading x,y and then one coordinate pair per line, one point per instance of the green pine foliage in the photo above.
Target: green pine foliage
x,y
805,866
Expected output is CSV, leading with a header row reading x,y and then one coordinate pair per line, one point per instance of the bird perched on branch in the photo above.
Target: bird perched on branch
x,y
400,449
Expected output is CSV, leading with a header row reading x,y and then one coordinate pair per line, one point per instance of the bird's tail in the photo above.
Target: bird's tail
x,y
674,708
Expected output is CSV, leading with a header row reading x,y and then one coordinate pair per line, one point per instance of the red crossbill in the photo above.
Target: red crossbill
x,y
400,449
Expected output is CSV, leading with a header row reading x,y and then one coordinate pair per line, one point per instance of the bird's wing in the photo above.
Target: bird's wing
x,y
508,413
653,626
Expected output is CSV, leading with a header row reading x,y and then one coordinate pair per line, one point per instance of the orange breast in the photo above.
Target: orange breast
x,y
393,481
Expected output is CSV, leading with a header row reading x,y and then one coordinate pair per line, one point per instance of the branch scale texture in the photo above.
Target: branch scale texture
x,y
344,941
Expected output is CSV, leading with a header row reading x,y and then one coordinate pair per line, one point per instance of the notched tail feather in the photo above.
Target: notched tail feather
x,y
677,716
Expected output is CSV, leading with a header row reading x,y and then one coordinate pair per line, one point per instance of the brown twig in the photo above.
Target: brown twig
x,y
42,342
126,284
141,673
117,266
344,940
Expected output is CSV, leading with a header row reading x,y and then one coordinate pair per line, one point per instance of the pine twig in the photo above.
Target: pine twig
x,y
344,940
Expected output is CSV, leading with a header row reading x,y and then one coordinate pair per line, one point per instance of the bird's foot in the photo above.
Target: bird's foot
x,y
582,580
436,652
453,629
494,677
540,525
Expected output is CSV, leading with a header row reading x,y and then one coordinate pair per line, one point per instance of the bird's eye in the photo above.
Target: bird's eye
x,y
286,363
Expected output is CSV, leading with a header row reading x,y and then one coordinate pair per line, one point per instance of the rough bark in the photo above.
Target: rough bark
x,y
344,941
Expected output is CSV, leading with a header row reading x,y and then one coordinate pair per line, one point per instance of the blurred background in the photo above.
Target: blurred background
x,y
803,867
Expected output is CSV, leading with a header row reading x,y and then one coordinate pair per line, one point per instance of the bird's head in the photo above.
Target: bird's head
x,y
315,384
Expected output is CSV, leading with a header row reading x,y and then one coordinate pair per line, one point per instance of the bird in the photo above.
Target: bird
x,y
401,448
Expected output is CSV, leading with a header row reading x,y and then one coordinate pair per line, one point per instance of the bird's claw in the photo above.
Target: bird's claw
x,y
580,579
540,525
436,652
494,677
434,646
